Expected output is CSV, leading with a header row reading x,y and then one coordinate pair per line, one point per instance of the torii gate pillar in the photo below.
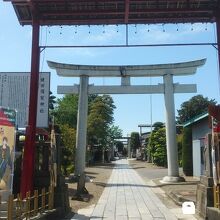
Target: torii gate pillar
x,y
81,134
172,153
82,126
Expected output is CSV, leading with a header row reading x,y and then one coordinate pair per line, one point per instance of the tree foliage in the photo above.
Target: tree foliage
x,y
135,142
187,160
158,125
52,101
68,140
66,111
195,106
157,146
114,132
100,128
120,146
100,119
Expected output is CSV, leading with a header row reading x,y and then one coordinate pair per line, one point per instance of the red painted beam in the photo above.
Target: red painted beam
x,y
106,1
218,37
29,148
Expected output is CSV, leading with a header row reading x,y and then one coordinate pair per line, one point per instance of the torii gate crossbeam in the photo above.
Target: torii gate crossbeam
x,y
167,71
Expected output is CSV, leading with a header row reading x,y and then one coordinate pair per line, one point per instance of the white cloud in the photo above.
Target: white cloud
x,y
103,35
153,34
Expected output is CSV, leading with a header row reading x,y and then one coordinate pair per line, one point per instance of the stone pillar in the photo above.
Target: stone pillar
x,y
129,148
61,197
172,153
112,151
204,192
81,133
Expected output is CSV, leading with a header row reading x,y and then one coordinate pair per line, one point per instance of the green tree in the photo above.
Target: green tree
x,y
158,147
180,148
114,132
158,125
66,111
120,146
149,146
135,142
100,119
68,140
187,160
52,101
65,114
195,106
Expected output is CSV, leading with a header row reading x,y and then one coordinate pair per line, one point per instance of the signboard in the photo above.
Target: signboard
x,y
7,147
14,93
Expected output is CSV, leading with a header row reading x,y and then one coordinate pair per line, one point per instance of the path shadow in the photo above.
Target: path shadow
x,y
101,184
83,197
68,216
140,185
103,165
76,216
87,172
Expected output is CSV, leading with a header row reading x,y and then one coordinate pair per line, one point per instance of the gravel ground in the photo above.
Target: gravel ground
x,y
99,175
148,171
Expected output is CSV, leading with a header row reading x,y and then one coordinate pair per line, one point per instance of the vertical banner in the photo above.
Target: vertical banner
x,y
7,147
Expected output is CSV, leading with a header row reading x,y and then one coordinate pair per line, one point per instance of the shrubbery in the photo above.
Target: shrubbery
x,y
187,151
157,147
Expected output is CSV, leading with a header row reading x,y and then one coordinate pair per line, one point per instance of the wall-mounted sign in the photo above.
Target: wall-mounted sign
x,y
14,93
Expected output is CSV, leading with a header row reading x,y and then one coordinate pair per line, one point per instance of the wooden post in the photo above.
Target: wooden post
x,y
10,207
43,199
28,205
19,209
35,202
50,198
218,196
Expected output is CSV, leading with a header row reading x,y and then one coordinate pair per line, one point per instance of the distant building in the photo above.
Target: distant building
x,y
200,127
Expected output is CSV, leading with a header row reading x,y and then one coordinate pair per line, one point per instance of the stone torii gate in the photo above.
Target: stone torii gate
x,y
168,88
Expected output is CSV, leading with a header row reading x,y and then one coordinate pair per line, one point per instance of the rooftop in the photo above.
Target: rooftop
x,y
95,12
195,119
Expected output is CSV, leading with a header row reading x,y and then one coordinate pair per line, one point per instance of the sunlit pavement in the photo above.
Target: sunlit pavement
x,y
127,196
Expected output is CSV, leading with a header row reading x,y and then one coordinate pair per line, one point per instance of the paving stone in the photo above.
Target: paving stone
x,y
127,197
146,217
122,217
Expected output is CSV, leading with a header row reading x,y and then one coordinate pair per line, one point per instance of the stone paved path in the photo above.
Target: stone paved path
x,y
126,196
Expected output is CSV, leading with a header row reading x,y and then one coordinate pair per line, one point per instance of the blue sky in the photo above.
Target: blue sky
x,y
15,44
